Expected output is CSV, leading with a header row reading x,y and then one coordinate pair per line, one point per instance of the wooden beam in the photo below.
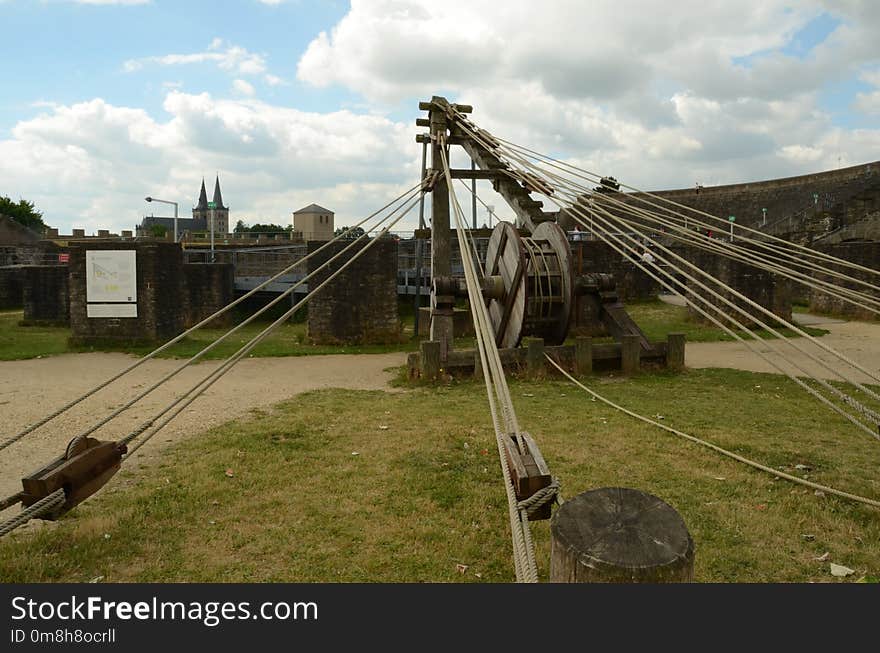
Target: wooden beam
x,y
460,173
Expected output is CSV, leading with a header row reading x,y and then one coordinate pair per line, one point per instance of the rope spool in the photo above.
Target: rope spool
x,y
533,281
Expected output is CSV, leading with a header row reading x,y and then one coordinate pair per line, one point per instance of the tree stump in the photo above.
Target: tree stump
x,y
619,535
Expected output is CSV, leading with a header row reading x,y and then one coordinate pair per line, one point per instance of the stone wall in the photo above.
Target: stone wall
x,y
360,305
46,295
11,287
159,295
781,197
770,291
866,254
207,288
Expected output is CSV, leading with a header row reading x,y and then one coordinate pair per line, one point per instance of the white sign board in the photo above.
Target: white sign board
x,y
111,310
111,276
111,282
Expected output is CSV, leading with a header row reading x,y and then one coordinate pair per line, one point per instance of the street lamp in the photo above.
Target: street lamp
x,y
154,199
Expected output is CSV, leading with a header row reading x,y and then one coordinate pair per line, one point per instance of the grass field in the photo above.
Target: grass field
x,y
404,486
291,339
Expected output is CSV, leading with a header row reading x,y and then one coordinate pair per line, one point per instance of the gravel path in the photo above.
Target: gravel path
x,y
30,389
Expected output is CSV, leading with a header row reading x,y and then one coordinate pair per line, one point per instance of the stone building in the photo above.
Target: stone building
x,y
313,222
213,211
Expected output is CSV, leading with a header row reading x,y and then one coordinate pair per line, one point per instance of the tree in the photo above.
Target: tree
x,y
23,213
240,227
158,231
349,233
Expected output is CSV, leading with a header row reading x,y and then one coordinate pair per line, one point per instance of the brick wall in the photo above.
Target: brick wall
x,y
360,305
866,254
208,287
159,295
46,295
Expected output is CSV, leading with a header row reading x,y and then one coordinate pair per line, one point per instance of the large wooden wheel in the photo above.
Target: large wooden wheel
x,y
536,276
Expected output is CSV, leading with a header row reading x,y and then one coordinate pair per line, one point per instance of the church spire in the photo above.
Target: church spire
x,y
218,198
203,197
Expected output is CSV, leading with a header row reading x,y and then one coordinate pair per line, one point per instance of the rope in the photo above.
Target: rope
x,y
496,391
849,400
18,436
44,505
730,454
195,391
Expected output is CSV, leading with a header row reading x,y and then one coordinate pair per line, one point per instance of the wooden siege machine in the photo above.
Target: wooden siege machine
x,y
528,282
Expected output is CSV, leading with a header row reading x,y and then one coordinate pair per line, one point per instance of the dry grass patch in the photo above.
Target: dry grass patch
x,y
372,486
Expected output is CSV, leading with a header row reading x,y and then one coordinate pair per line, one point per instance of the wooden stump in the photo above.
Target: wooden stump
x,y
430,359
675,351
619,535
630,351
583,355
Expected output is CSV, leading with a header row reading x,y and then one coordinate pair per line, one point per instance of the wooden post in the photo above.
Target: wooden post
x,y
412,365
630,351
583,355
675,351
478,364
441,246
619,535
430,359
535,357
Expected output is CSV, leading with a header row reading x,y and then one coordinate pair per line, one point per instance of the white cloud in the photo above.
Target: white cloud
x,y
655,95
90,164
242,87
230,58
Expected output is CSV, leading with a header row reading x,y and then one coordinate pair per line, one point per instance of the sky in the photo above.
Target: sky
x,y
104,102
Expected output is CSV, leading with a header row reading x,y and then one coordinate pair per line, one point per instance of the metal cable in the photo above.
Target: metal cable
x,y
179,337
703,443
46,504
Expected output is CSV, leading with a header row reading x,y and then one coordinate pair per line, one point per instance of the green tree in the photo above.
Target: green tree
x,y
23,213
158,231
349,233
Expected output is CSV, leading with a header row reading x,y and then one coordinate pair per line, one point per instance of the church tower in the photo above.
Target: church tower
x,y
213,211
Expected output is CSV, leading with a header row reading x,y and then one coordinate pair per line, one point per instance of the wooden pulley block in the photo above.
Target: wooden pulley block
x,y
528,470
87,464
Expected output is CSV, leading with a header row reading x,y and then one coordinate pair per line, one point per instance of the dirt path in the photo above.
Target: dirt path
x,y
860,341
30,389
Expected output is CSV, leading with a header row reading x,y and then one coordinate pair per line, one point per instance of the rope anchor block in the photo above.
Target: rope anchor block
x,y
528,471
85,467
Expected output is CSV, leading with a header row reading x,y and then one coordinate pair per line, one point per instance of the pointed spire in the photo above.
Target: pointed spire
x,y
218,198
203,197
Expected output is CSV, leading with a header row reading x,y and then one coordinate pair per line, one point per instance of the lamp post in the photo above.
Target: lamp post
x,y
154,199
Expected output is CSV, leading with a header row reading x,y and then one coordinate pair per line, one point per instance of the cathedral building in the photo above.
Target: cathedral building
x,y
212,212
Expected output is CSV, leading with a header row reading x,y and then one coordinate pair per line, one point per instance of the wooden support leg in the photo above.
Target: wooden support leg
x,y
675,351
583,356
630,351
619,535
430,359
535,358
413,363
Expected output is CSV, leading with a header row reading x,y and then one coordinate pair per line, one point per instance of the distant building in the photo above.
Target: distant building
x,y
203,214
314,222
213,211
